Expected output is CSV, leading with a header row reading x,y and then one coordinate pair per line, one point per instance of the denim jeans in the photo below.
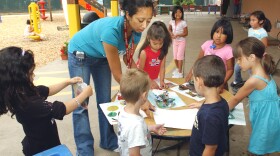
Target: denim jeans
x,y
100,71
237,74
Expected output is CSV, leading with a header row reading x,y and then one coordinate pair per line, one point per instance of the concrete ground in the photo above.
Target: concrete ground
x,y
199,26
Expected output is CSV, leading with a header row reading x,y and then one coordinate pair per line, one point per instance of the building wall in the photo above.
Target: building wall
x,y
271,9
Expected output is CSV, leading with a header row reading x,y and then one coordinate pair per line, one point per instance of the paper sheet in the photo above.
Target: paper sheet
x,y
152,97
181,119
184,92
239,116
111,111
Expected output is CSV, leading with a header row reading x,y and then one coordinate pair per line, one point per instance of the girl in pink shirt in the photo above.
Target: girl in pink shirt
x,y
153,53
221,37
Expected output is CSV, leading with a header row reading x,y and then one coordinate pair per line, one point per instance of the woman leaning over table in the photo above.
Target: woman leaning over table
x,y
95,51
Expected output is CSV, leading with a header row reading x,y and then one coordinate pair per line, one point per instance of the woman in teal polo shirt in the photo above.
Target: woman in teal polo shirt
x,y
95,51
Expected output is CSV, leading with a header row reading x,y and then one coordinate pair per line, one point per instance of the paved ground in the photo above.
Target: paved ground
x,y
11,132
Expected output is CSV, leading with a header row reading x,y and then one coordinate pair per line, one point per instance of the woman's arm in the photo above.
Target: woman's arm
x,y
53,89
162,72
243,92
189,76
113,60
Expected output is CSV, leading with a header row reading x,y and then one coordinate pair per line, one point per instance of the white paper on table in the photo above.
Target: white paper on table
x,y
152,98
239,117
181,119
183,92
114,120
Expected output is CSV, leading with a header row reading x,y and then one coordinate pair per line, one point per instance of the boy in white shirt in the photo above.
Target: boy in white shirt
x,y
133,134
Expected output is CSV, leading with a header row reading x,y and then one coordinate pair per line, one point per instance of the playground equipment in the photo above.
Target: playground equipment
x,y
34,15
42,9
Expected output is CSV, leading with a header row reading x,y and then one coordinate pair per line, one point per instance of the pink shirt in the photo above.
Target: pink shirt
x,y
225,53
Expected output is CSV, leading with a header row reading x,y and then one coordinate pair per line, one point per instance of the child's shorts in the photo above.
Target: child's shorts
x,y
179,47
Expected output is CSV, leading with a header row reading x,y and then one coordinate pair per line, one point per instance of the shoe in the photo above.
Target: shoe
x,y
117,150
175,71
237,84
178,75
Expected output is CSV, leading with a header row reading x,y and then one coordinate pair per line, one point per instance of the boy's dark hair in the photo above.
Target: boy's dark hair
x,y
157,31
16,66
175,10
132,6
28,22
226,28
261,17
252,45
133,83
211,69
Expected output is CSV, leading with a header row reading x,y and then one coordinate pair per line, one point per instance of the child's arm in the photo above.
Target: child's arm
x,y
53,89
184,34
134,151
74,103
264,41
230,70
158,129
244,91
170,31
31,29
162,72
189,76
209,150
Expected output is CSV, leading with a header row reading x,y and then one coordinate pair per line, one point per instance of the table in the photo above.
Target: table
x,y
180,135
164,9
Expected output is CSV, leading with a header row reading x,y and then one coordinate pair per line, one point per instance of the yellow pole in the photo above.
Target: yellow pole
x,y
114,7
73,17
34,14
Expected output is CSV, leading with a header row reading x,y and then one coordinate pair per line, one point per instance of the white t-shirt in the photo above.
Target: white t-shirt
x,y
178,29
132,132
26,31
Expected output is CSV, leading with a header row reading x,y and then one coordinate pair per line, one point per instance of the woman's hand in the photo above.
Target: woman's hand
x,y
195,105
75,80
158,129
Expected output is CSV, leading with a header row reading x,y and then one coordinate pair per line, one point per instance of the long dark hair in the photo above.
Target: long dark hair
x,y
261,17
226,27
157,31
16,68
252,45
132,6
175,10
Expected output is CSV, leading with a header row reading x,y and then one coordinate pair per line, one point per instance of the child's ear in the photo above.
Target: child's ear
x,y
252,57
199,81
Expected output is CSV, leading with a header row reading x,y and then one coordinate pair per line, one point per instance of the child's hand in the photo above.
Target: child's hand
x,y
163,85
188,78
158,129
154,85
75,80
195,105
88,90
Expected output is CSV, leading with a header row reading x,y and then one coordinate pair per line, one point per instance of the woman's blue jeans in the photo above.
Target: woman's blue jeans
x,y
101,73
237,74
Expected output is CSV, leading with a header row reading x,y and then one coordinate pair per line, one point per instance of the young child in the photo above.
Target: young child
x,y
134,136
29,30
222,36
152,56
260,25
209,132
28,102
178,30
263,99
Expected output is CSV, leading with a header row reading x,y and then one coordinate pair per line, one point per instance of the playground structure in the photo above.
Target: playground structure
x,y
34,16
42,9
90,5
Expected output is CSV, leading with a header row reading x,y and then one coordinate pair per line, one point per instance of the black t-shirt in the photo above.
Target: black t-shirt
x,y
38,121
210,128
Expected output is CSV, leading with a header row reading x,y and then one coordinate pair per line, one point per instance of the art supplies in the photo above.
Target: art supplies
x,y
164,99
